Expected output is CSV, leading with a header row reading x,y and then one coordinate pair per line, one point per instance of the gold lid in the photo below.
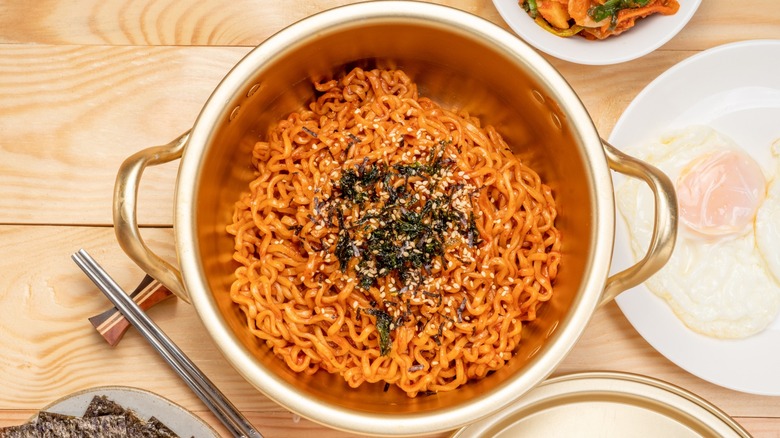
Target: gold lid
x,y
606,404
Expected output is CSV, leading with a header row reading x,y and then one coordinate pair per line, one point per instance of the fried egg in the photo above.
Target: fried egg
x,y
723,278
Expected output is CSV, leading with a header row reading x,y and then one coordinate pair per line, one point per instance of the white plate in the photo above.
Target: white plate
x,y
734,89
649,34
144,403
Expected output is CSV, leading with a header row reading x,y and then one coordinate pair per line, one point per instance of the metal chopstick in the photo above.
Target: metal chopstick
x,y
236,423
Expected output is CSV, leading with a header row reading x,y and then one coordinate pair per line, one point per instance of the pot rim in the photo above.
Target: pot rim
x,y
277,389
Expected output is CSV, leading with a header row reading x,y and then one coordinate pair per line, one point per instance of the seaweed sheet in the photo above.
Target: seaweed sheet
x,y
103,418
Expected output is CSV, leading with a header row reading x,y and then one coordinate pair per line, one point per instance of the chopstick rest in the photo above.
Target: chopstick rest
x,y
112,325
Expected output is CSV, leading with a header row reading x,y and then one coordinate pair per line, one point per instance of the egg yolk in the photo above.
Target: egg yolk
x,y
720,193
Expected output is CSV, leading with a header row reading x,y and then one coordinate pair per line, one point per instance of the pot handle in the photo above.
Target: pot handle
x,y
125,213
664,228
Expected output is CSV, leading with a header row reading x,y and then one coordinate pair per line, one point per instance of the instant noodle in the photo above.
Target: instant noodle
x,y
387,239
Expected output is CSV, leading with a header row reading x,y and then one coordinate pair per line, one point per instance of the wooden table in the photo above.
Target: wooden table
x,y
85,84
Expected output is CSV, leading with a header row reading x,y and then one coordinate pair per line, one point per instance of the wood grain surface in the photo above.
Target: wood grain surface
x,y
86,83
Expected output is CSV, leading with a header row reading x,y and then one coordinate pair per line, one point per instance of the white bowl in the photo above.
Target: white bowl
x,y
647,35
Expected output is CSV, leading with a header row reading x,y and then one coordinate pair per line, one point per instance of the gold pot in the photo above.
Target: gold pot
x,y
460,61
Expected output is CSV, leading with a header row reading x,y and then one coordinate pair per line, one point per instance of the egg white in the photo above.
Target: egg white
x,y
718,286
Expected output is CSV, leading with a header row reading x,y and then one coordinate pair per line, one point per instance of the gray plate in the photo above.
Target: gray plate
x,y
144,403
